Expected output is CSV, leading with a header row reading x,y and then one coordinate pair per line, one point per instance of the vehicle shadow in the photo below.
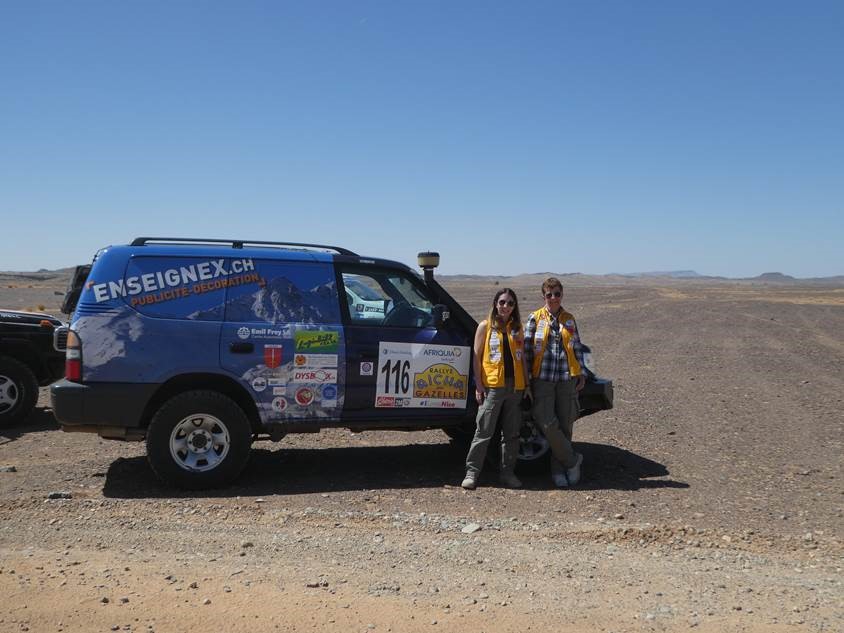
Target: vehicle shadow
x,y
41,419
315,470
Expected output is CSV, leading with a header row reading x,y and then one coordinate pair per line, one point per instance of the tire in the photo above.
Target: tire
x,y
18,391
199,439
534,450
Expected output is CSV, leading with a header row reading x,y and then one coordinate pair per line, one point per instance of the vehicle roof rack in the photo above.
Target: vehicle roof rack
x,y
142,241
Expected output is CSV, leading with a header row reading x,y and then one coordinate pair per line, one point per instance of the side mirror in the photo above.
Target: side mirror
x,y
441,314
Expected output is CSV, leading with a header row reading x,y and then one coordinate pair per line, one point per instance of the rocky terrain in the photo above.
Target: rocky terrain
x,y
711,498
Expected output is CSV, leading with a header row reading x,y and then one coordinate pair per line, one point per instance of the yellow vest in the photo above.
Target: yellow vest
x,y
493,358
540,340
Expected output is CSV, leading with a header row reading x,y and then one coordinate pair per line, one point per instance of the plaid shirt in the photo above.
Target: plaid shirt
x,y
555,361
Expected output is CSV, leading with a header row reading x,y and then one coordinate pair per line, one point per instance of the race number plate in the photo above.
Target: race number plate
x,y
422,376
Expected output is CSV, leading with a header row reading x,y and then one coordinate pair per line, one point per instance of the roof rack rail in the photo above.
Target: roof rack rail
x,y
142,241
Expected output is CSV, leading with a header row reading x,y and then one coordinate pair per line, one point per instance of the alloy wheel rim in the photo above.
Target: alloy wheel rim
x,y
532,445
199,442
9,394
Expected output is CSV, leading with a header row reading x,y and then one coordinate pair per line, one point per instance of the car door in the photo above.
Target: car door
x,y
282,338
400,366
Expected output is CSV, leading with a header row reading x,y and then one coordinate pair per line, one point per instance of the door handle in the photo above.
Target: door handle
x,y
241,348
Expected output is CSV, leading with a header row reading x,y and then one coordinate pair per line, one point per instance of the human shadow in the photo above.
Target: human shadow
x,y
40,419
607,467
297,471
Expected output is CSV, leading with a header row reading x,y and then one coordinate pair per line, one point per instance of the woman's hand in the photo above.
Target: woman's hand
x,y
528,393
480,395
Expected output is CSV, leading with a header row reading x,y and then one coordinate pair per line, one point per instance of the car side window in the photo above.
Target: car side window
x,y
385,298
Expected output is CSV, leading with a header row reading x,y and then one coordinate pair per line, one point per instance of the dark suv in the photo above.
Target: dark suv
x,y
202,346
28,358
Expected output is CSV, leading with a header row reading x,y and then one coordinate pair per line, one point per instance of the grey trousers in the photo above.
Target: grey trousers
x,y
500,403
555,408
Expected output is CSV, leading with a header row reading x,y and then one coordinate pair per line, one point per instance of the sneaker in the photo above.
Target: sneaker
x,y
560,480
573,473
509,480
470,482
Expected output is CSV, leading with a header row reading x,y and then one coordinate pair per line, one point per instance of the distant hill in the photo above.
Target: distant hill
x,y
774,277
673,274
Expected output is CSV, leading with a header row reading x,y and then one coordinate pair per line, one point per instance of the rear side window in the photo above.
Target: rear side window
x,y
286,292
185,287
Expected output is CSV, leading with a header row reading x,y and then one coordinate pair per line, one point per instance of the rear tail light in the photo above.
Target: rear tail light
x,y
73,358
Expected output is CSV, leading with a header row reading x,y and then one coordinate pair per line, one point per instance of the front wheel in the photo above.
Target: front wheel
x,y
534,450
199,439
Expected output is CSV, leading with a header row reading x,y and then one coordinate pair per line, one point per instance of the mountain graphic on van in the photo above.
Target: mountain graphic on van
x,y
279,301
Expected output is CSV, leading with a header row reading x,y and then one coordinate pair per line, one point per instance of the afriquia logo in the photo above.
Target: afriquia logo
x,y
455,352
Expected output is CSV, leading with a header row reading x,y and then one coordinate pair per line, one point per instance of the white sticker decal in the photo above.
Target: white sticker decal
x,y
314,376
259,383
366,367
279,391
315,360
423,376
494,347
279,404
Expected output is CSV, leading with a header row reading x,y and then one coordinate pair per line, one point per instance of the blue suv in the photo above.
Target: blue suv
x,y
202,346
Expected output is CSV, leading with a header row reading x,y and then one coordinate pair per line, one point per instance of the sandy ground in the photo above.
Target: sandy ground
x,y
711,499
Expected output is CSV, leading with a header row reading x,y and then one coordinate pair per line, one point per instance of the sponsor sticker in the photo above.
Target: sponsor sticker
x,y
272,355
317,342
440,381
329,396
279,391
366,368
259,383
314,376
279,404
385,401
259,332
304,396
315,360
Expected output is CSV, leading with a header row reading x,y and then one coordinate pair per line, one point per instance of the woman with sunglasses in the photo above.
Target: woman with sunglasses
x,y
501,380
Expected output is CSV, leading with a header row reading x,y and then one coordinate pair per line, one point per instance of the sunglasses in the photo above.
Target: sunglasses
x,y
506,302
556,294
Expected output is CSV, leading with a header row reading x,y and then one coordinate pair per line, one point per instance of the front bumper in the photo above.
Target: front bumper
x,y
596,396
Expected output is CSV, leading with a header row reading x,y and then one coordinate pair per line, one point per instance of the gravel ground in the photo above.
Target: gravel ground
x,y
711,500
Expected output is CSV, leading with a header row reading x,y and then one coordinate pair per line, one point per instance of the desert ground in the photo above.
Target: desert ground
x,y
711,498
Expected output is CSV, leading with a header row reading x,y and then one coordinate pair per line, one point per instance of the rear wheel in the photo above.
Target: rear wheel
x,y
199,439
18,390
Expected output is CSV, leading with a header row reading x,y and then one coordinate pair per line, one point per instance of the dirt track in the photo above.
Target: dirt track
x,y
712,500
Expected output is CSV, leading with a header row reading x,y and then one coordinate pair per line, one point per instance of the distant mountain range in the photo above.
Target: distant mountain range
x,y
642,277
62,275
674,274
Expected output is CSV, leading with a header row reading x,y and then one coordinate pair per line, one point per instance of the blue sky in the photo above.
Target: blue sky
x,y
511,137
